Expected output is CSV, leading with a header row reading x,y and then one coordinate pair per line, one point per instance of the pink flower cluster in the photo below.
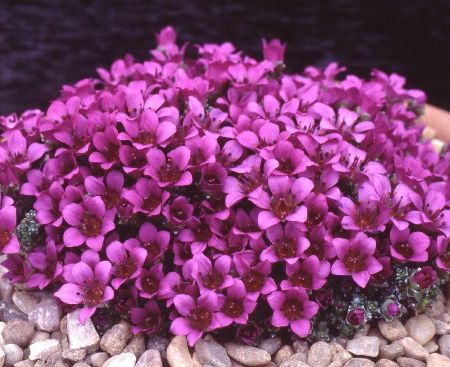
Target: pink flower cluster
x,y
191,192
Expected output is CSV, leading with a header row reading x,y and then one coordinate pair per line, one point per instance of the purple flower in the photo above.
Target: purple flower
x,y
407,246
127,259
146,319
293,308
284,204
9,243
47,264
196,317
274,50
288,243
308,274
355,258
149,281
284,159
18,154
211,276
443,250
146,197
89,223
170,170
110,191
107,144
179,212
87,287
425,277
154,242
366,216
236,305
356,316
47,205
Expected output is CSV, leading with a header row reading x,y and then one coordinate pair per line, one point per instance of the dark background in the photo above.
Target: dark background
x,y
44,44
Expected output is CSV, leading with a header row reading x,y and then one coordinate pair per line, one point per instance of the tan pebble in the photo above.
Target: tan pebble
x,y
409,362
386,363
359,362
421,328
178,353
283,354
438,360
413,349
431,346
393,330
391,351
319,354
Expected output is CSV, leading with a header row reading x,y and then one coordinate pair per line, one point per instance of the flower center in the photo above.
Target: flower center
x,y
354,261
302,279
153,250
110,199
168,172
292,309
253,281
5,237
367,217
212,280
286,165
125,268
150,202
445,257
403,249
283,206
200,318
233,307
152,321
286,248
150,283
202,232
49,270
111,153
315,248
93,293
185,251
211,179
91,225
314,217
146,138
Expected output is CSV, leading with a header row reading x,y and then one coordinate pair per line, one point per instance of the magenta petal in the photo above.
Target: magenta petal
x,y
267,219
180,326
73,237
301,327
338,268
361,278
73,214
82,272
70,294
184,304
103,272
279,320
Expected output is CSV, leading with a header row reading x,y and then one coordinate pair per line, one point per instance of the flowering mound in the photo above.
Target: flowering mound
x,y
220,193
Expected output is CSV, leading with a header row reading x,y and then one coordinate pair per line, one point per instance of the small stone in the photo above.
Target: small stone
x,y
300,346
295,360
367,346
81,364
150,358
442,327
136,346
98,359
421,328
25,363
122,360
46,315
159,343
431,346
9,312
270,345
81,336
444,345
335,364
13,354
391,351
435,309
25,301
342,357
393,330
73,355
18,332
376,332
6,288
413,349
438,360
359,362
283,354
39,336
247,355
39,364
210,352
115,339
386,363
42,350
2,356
178,353
319,354
363,331
409,362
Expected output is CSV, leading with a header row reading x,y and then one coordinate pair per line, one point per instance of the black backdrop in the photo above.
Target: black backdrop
x,y
44,44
